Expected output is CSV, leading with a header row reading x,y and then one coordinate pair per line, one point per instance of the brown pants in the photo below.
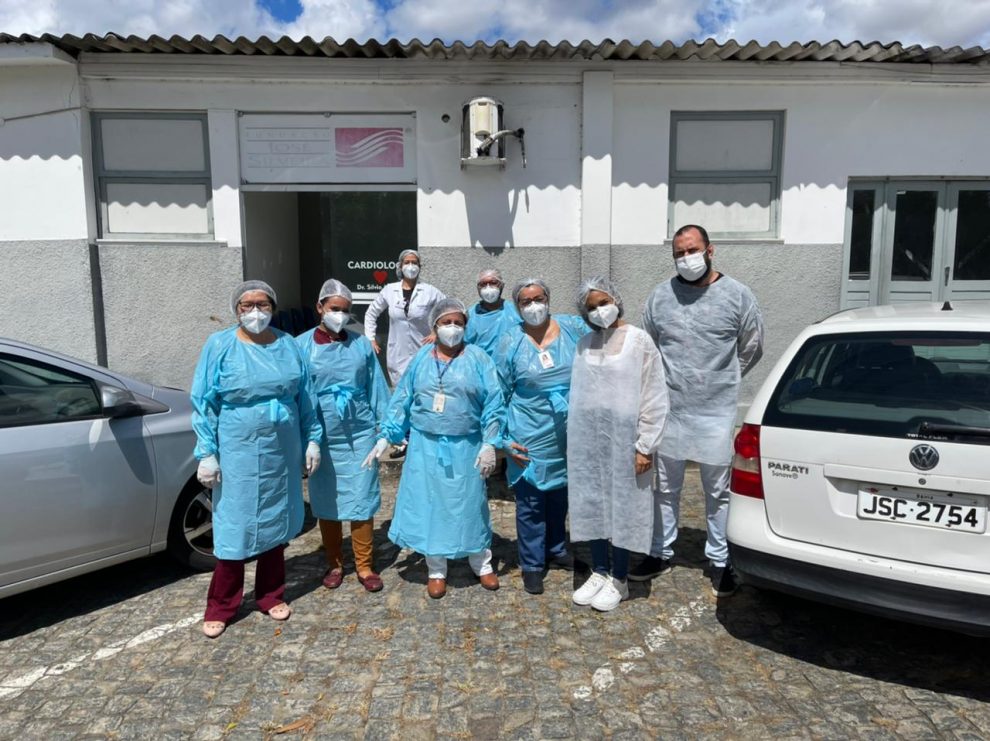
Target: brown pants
x,y
362,535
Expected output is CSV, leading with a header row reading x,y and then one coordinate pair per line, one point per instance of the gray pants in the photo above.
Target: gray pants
x,y
667,508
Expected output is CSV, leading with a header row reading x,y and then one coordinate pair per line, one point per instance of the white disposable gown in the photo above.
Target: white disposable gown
x,y
618,406
406,331
441,508
254,410
348,382
709,338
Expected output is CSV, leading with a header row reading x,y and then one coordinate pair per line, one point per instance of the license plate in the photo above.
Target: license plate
x,y
945,510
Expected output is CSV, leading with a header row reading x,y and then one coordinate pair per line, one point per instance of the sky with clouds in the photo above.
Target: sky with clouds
x,y
927,22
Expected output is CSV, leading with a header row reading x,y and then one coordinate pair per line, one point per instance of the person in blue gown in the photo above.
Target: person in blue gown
x,y
534,368
450,403
348,382
492,316
253,414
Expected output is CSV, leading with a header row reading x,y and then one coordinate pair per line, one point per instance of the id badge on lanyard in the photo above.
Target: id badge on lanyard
x,y
439,400
546,360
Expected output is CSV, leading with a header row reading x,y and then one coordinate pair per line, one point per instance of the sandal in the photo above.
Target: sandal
x,y
213,628
280,612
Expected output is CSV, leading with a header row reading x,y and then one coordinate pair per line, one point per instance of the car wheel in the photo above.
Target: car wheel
x,y
190,532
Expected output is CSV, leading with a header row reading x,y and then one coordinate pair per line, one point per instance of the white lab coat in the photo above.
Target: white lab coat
x,y
709,338
405,333
618,406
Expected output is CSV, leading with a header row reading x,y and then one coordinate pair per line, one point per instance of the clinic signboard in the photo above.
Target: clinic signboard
x,y
327,148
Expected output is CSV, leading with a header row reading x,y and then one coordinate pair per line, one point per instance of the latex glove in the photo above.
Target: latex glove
x,y
518,453
376,453
312,458
485,462
208,472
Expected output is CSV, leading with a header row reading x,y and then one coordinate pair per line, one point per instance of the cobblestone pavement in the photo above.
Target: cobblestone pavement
x,y
119,654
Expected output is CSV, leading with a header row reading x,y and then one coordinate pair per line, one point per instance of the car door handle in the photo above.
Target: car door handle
x,y
946,275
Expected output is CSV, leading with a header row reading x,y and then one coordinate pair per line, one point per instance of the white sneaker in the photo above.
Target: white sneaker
x,y
609,596
587,591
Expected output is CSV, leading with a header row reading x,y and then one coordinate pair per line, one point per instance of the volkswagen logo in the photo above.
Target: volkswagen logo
x,y
923,457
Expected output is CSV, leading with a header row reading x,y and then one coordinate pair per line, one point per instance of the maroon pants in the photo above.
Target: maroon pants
x,y
227,585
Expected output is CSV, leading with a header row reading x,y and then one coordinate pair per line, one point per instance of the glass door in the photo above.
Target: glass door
x,y
912,260
966,273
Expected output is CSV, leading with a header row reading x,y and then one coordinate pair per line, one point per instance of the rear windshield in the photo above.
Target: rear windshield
x,y
893,384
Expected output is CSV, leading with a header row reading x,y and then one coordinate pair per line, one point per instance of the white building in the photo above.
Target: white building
x,y
141,179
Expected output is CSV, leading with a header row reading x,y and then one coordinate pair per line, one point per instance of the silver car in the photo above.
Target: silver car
x,y
95,469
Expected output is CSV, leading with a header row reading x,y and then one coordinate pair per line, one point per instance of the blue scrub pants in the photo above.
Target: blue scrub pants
x,y
599,560
540,526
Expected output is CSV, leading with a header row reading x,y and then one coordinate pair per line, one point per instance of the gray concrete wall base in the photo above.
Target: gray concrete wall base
x,y
161,302
454,270
596,259
48,296
795,284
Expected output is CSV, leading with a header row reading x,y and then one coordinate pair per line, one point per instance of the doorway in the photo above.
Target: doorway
x,y
295,240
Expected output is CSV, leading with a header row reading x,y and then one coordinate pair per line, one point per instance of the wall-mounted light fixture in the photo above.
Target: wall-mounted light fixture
x,y
483,136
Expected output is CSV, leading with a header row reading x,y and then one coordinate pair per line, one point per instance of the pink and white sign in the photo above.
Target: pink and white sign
x,y
368,147
328,147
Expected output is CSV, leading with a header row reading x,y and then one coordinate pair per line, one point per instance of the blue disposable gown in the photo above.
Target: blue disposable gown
x,y
352,395
537,401
253,409
486,329
441,508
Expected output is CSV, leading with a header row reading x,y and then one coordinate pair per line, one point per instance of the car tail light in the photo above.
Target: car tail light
x,y
747,474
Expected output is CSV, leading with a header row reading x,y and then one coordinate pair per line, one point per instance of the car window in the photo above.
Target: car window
x,y
885,384
33,393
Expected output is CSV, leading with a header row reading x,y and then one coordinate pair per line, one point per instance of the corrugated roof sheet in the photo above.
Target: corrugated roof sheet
x,y
608,50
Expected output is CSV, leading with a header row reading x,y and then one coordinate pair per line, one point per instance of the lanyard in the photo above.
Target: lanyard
x,y
442,368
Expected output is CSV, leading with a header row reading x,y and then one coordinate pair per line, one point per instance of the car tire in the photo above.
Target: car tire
x,y
190,531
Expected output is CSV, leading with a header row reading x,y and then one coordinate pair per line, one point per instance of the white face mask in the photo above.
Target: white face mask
x,y
450,334
334,319
411,271
255,321
691,267
489,294
535,314
604,316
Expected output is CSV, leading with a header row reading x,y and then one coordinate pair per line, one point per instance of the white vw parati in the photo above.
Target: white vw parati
x,y
861,475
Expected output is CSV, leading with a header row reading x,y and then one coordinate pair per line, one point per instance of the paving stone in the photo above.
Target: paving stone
x,y
670,663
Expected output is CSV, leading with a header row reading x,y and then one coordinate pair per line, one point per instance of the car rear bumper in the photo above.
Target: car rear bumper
x,y
940,608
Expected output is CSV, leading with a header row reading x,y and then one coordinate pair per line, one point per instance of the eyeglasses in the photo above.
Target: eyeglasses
x,y
250,305
528,301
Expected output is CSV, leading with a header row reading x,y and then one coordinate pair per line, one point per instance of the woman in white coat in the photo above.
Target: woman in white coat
x,y
618,407
409,303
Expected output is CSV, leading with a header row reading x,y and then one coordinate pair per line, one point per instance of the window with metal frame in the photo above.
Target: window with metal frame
x,y
153,175
725,172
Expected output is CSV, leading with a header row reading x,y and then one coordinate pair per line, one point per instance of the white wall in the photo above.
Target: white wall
x,y
271,246
536,206
42,183
833,131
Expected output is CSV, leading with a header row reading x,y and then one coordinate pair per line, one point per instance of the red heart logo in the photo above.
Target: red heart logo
x,y
380,276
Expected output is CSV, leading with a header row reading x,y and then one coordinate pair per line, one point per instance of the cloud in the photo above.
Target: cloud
x,y
942,22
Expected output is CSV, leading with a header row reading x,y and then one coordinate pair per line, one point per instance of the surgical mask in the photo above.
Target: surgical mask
x,y
490,294
255,321
450,334
334,320
604,316
535,313
411,271
691,267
